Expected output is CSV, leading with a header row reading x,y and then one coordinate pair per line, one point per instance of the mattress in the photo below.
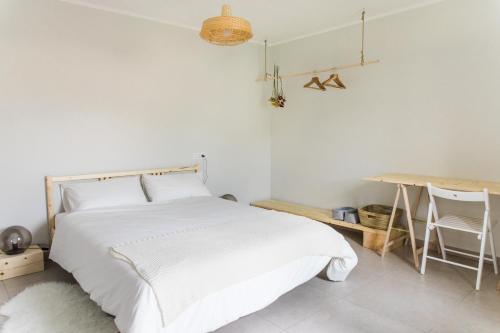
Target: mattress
x,y
81,246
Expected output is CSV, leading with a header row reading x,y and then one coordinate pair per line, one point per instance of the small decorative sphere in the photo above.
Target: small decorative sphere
x,y
229,197
15,240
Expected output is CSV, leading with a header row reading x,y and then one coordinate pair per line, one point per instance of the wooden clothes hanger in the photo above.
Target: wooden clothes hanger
x,y
334,81
315,81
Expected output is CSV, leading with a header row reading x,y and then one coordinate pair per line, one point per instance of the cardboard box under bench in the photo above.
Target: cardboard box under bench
x,y
372,238
31,261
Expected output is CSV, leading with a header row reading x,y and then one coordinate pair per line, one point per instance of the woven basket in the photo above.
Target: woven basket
x,y
378,216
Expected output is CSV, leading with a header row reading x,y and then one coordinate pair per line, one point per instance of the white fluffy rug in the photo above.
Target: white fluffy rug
x,y
54,307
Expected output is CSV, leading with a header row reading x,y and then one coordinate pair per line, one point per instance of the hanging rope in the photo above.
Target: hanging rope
x,y
363,38
265,60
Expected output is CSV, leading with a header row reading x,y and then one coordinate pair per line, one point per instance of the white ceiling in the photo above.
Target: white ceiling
x,y
274,20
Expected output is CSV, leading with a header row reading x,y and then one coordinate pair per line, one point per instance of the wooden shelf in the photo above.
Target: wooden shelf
x,y
318,214
372,238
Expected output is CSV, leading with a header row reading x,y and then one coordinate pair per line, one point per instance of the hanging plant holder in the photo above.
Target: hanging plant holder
x,y
278,97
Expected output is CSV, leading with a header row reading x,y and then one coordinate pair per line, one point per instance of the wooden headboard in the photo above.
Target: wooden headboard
x,y
51,180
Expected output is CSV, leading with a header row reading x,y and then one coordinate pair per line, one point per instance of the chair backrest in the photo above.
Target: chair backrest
x,y
457,196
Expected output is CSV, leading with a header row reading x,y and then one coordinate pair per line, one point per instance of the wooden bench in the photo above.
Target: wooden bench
x,y
372,238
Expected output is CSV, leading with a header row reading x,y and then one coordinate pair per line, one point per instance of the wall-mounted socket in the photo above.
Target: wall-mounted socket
x,y
199,156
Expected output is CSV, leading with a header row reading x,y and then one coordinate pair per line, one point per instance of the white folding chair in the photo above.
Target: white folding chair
x,y
480,227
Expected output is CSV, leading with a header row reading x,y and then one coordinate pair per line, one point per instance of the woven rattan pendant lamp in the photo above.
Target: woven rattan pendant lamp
x,y
226,30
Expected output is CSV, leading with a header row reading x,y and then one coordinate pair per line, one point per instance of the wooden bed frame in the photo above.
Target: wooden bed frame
x,y
51,180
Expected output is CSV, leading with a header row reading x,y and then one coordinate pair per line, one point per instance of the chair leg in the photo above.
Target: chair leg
x,y
493,252
481,260
426,239
441,242
426,248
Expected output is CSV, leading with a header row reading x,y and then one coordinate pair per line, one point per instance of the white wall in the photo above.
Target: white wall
x,y
85,91
431,107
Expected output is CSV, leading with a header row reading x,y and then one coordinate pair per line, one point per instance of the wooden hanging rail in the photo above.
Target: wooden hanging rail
x,y
362,62
325,70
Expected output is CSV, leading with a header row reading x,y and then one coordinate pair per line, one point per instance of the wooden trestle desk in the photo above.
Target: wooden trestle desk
x,y
404,180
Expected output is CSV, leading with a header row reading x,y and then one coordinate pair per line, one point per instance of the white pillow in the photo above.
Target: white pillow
x,y
174,186
107,193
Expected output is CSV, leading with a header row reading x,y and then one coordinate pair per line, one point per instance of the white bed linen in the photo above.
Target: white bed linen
x,y
81,246
115,192
165,188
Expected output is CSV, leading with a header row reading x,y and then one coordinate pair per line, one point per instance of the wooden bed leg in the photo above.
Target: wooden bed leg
x,y
391,221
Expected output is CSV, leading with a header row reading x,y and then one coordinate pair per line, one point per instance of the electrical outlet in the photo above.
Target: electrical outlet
x,y
199,156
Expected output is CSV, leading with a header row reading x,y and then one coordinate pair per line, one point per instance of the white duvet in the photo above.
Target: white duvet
x,y
185,260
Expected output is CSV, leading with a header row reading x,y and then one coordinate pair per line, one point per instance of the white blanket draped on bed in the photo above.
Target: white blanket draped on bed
x,y
225,247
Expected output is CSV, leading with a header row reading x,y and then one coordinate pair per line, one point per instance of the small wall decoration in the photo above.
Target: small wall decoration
x,y
278,98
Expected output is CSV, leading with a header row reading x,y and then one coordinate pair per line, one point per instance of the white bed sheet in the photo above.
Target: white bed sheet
x,y
83,250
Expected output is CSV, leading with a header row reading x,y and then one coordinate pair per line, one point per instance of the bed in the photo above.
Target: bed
x,y
221,260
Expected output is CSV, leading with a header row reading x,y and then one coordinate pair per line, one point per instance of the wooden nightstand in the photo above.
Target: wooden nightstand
x,y
31,261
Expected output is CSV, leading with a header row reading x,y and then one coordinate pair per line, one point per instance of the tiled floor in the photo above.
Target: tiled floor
x,y
380,295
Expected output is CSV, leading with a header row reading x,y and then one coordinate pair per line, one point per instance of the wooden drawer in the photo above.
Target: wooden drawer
x,y
21,270
30,256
